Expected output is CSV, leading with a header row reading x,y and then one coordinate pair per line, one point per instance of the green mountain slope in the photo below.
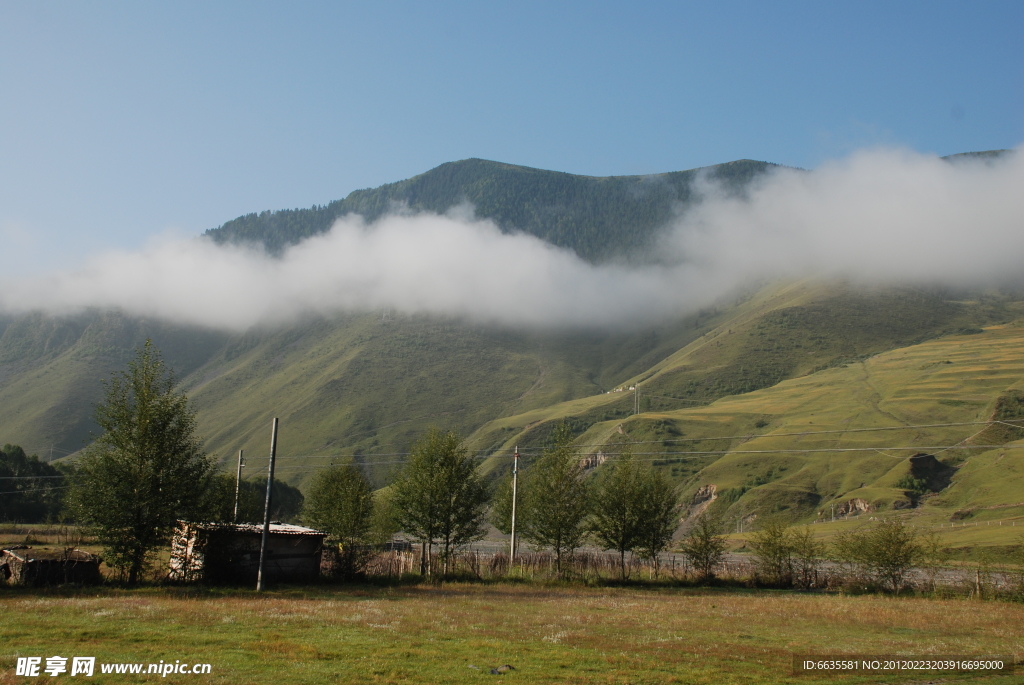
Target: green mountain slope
x,y
372,386
52,370
773,452
349,383
600,218
783,331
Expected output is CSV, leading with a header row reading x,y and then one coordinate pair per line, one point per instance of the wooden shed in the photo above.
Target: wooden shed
x,y
230,553
34,566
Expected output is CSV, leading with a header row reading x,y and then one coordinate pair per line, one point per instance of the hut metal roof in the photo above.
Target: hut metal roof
x,y
276,528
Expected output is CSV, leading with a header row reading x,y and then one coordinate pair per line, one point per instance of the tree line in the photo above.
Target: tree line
x,y
441,500
31,490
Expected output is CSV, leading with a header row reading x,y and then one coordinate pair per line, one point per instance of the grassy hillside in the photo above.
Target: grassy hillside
x,y
600,218
339,385
840,435
52,370
361,384
780,332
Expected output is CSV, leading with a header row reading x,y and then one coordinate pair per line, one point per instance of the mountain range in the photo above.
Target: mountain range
x,y
721,399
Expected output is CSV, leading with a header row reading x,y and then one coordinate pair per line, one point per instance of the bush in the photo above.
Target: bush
x,y
807,554
884,554
773,554
704,547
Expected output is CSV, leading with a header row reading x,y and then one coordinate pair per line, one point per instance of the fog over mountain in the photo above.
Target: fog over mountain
x,y
880,216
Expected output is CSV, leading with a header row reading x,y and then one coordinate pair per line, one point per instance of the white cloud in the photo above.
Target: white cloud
x,y
885,216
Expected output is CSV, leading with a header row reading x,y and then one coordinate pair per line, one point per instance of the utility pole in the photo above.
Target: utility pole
x,y
636,399
238,482
833,512
266,508
515,482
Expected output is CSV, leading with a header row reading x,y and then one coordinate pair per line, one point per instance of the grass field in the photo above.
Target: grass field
x,y
437,634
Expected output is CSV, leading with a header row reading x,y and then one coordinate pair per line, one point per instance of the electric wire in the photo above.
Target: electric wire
x,y
749,436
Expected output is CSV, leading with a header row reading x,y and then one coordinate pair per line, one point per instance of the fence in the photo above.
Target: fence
x,y
965,582
584,565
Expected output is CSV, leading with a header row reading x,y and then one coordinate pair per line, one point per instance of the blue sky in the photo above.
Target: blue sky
x,y
120,121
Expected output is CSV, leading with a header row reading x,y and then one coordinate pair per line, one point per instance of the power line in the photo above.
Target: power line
x,y
20,492
481,454
672,455
28,477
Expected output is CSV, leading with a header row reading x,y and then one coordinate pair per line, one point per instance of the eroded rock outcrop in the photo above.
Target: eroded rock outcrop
x,y
853,507
702,499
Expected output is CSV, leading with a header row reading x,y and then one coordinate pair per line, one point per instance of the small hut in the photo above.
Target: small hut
x,y
33,566
230,553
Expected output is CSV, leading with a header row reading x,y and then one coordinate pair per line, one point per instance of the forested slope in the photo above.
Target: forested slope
x,y
600,218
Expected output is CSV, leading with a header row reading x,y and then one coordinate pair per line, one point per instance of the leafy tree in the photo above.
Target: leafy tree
x,y
384,523
440,496
286,502
501,507
807,555
704,547
915,486
659,517
340,503
847,550
617,520
892,551
556,498
886,553
146,469
773,553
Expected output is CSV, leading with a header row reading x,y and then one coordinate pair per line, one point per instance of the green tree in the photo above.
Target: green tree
x,y
384,523
704,546
892,552
773,553
659,517
146,469
885,553
501,505
807,554
286,503
440,496
556,498
340,503
617,519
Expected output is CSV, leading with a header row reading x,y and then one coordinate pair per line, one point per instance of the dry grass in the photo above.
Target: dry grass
x,y
434,634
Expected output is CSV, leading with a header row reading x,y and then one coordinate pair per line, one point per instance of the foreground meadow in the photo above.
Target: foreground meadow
x,y
454,633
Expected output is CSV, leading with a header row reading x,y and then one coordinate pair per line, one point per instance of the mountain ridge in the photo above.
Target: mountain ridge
x,y
601,218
